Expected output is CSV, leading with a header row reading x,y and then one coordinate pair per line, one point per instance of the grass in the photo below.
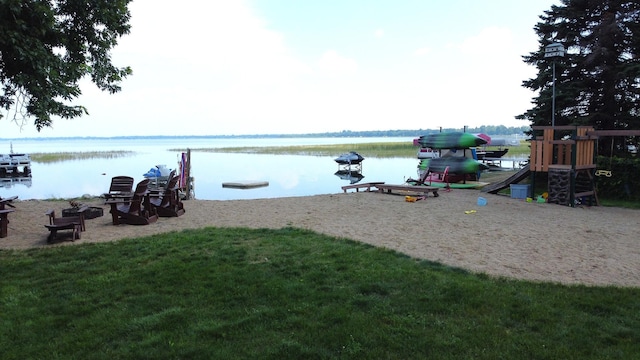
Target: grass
x,y
83,155
375,149
290,293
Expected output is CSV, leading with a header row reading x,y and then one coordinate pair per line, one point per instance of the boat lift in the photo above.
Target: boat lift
x,y
15,165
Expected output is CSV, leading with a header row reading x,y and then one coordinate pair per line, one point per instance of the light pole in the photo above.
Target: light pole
x,y
554,50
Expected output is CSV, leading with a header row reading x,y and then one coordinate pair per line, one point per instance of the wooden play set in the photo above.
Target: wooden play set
x,y
568,154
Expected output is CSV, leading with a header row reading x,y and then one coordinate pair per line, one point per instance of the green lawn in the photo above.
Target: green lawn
x,y
292,294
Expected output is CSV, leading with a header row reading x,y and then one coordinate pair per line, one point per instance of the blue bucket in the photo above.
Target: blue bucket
x,y
482,201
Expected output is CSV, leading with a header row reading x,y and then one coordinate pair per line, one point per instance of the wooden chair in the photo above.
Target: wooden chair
x,y
121,186
7,202
74,223
4,215
134,210
168,204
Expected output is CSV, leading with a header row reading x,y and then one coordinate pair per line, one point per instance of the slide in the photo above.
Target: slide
x,y
493,188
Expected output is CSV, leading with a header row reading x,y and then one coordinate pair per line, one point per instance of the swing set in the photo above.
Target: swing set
x,y
568,154
613,134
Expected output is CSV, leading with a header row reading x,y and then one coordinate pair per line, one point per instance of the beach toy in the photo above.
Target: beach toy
x,y
470,212
482,201
529,200
541,199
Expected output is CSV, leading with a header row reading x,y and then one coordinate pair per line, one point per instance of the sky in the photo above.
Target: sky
x,y
240,67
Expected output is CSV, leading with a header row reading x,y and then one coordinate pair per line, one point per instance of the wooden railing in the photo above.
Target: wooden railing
x,y
569,147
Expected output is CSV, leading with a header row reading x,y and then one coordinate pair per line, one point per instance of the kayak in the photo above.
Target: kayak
x,y
456,165
451,140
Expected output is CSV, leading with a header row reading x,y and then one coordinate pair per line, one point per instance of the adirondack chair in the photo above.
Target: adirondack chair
x,y
134,210
168,204
74,223
121,186
4,215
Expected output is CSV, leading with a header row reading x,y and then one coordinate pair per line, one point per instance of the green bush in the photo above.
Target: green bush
x,y
624,182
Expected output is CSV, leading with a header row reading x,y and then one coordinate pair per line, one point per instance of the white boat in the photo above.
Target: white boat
x,y
15,165
428,153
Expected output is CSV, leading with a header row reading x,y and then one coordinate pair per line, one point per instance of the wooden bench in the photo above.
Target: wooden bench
x,y
367,185
74,223
425,190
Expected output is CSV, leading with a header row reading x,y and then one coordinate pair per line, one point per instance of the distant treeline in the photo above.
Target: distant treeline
x,y
488,129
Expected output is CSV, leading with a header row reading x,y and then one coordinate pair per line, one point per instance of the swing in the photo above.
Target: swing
x,y
607,173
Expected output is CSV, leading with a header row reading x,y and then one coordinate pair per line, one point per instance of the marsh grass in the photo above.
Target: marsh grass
x,y
83,155
292,294
374,149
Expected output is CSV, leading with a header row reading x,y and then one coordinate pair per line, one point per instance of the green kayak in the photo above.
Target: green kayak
x,y
451,140
456,165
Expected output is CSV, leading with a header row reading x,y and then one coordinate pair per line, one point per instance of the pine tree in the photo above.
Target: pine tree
x,y
598,79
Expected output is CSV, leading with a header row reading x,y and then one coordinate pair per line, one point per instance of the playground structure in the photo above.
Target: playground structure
x,y
567,154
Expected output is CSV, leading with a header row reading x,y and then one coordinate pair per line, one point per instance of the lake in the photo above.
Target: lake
x,y
288,175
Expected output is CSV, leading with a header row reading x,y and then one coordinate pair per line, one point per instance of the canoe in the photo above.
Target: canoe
x,y
349,158
451,140
456,165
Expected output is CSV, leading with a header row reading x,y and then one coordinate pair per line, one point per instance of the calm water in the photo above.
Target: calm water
x,y
288,175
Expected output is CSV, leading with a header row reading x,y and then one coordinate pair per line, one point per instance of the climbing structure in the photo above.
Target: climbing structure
x,y
567,154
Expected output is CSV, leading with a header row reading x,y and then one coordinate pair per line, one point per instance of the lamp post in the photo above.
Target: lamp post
x,y
554,50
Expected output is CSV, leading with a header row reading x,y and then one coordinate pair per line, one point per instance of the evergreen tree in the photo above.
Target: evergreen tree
x,y
598,79
46,47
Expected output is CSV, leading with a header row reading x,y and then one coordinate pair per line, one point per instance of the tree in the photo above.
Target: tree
x,y
598,80
47,47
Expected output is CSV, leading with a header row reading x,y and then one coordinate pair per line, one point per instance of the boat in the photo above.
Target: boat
x,y
16,165
428,153
491,154
350,158
450,140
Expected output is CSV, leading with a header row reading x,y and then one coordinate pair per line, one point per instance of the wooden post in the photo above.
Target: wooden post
x,y
188,174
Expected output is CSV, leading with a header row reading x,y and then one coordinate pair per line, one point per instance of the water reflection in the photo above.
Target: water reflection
x,y
10,181
352,176
288,175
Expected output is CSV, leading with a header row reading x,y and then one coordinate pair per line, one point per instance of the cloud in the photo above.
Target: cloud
x,y
423,51
333,63
379,33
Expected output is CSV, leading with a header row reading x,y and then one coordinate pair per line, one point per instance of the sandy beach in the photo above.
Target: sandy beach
x,y
507,237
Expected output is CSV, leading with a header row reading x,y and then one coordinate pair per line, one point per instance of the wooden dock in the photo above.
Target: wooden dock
x,y
408,189
403,189
367,186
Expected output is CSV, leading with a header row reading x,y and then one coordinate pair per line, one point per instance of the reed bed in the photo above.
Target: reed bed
x,y
84,155
374,149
